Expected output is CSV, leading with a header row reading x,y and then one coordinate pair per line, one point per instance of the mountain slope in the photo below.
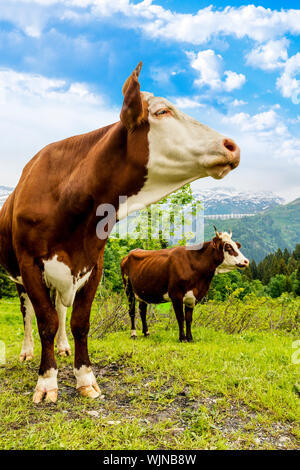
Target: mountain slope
x,y
227,200
263,233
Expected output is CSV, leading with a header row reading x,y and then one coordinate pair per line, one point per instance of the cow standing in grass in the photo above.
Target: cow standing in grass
x,y
181,275
50,240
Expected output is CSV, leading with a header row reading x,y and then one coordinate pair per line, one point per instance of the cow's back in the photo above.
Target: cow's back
x,y
149,272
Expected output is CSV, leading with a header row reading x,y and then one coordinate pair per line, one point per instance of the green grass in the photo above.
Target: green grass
x,y
220,392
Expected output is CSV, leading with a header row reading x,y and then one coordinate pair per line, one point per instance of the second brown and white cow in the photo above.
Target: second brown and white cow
x,y
181,275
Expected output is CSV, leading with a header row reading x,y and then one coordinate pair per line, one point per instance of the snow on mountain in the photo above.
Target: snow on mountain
x,y
217,201
4,193
227,200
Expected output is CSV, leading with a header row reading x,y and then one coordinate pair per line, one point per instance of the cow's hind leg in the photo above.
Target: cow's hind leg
x,y
131,302
188,322
80,322
62,343
47,321
27,312
143,313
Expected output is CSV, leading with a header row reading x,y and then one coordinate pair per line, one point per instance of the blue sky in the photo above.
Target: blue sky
x,y
235,68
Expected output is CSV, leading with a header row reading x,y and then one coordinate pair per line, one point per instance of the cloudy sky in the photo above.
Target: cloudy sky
x,y
235,68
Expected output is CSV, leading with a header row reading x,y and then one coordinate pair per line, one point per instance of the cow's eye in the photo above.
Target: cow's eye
x,y
161,112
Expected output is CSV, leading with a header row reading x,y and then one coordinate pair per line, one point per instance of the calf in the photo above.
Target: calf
x,y
179,275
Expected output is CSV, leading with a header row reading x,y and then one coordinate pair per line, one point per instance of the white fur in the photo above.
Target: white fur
x,y
230,262
84,376
181,150
61,337
166,297
189,299
133,332
58,276
27,346
48,381
17,279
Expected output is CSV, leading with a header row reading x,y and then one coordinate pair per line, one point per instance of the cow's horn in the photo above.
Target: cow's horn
x,y
217,233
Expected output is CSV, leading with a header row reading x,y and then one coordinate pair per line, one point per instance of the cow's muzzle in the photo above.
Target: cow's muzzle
x,y
233,152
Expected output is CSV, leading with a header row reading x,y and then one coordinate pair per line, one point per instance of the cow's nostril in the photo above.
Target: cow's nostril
x,y
230,145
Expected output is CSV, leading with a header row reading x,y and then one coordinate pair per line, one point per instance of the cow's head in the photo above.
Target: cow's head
x,y
232,256
180,149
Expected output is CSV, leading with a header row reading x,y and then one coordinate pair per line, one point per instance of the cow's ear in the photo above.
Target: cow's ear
x,y
238,245
217,242
132,110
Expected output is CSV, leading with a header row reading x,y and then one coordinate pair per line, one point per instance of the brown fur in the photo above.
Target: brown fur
x,y
151,274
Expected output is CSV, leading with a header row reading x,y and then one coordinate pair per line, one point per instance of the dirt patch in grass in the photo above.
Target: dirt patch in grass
x,y
236,422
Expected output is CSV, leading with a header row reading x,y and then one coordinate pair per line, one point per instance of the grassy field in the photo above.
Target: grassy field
x,y
224,391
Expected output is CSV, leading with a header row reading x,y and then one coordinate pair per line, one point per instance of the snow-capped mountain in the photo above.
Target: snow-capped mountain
x,y
227,200
217,201
4,193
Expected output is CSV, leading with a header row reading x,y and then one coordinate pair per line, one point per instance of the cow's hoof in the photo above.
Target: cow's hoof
x,y
26,357
50,396
64,352
133,334
90,391
183,340
147,334
190,340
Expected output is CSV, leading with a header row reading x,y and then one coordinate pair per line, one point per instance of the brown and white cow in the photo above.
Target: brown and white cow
x,y
48,239
181,275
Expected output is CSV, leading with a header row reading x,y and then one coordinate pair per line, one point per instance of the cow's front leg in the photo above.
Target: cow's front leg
x,y
80,322
47,321
178,308
188,322
62,343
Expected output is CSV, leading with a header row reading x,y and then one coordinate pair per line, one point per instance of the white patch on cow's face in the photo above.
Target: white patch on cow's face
x,y
189,299
181,150
27,346
231,261
57,275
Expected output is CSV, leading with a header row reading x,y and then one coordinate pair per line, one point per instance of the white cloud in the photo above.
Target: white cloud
x,y
233,80
36,110
287,83
237,103
209,65
258,23
259,123
185,102
269,56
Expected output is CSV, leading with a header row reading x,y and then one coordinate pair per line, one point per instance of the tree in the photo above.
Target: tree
x,y
7,286
276,285
296,252
297,289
